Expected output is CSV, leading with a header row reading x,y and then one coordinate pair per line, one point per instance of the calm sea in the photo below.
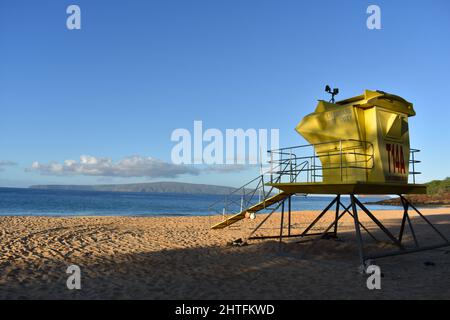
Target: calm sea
x,y
37,202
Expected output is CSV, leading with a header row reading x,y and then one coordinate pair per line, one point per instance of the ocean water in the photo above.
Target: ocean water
x,y
35,202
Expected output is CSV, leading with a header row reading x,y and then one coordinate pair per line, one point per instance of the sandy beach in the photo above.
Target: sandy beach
x,y
181,258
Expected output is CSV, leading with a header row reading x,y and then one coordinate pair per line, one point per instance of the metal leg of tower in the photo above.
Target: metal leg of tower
x,y
320,216
338,204
377,222
359,239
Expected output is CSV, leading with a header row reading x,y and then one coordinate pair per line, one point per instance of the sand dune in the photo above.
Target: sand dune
x,y
181,258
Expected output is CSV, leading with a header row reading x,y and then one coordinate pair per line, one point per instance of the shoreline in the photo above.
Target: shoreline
x,y
430,209
423,200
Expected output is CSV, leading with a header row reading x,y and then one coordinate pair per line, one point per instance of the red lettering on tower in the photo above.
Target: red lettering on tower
x,y
396,158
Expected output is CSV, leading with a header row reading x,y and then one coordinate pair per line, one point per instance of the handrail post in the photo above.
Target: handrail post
x,y
290,165
263,186
271,167
314,166
308,174
340,149
226,204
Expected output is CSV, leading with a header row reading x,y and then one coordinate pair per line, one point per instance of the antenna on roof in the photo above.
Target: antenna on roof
x,y
333,92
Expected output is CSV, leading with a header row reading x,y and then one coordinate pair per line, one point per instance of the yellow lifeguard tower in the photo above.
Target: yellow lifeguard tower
x,y
358,146
373,126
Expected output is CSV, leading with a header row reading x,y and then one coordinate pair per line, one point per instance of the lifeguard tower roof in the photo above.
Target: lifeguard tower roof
x,y
374,98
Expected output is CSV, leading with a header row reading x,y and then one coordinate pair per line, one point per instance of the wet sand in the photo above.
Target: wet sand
x,y
181,258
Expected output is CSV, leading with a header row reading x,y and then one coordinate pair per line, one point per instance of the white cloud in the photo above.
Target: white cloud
x,y
133,166
6,163
128,167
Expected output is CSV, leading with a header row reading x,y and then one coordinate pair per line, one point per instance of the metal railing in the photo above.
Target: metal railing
x,y
346,154
251,193
303,164
412,162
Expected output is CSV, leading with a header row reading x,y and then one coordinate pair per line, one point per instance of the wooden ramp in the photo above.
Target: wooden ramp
x,y
255,208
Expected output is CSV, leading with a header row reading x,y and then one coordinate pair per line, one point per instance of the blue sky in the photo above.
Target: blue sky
x,y
137,70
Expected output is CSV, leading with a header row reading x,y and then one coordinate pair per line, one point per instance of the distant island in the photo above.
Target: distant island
x,y
151,187
438,194
438,191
